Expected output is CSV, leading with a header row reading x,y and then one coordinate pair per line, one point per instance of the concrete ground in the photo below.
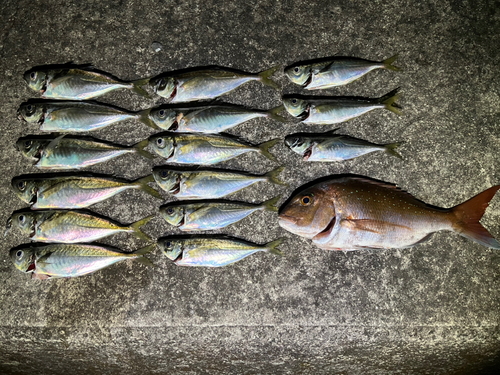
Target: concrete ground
x,y
431,309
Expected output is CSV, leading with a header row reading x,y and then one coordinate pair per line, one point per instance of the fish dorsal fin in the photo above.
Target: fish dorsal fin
x,y
385,185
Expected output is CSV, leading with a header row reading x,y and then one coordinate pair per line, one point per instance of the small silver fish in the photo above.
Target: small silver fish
x,y
74,191
328,147
334,72
204,149
205,83
212,252
70,226
78,83
209,184
68,116
66,152
71,260
208,120
334,110
211,215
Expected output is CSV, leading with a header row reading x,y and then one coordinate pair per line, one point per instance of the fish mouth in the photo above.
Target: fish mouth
x,y
34,198
308,152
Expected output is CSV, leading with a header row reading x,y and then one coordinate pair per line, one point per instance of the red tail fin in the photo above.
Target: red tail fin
x,y
468,215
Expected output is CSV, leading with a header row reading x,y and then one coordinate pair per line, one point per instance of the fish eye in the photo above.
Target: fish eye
x,y
296,70
22,218
28,144
162,83
33,75
162,112
19,253
160,142
29,107
170,210
168,244
163,174
294,101
21,185
306,200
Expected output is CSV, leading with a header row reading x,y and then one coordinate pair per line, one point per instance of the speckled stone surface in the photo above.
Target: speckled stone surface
x,y
432,309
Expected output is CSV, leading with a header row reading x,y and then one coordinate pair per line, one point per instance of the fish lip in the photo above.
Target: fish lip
x,y
182,222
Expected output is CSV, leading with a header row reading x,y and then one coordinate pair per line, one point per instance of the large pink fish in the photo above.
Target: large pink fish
x,y
353,213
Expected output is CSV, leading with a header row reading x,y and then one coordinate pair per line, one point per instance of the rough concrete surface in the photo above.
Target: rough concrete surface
x,y
431,309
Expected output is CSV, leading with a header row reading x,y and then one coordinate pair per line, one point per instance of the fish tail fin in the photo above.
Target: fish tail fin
x,y
141,255
139,148
391,149
272,176
388,63
467,216
272,247
138,224
389,100
143,116
273,113
269,205
264,77
264,149
136,87
142,184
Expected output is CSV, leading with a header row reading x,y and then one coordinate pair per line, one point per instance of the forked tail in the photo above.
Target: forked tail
x,y
388,63
468,214
264,78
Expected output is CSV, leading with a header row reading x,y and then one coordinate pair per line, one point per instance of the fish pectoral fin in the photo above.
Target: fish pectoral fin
x,y
42,261
325,68
54,143
371,225
193,114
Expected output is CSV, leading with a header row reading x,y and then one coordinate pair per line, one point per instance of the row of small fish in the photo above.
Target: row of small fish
x,y
67,152
71,116
72,260
82,82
